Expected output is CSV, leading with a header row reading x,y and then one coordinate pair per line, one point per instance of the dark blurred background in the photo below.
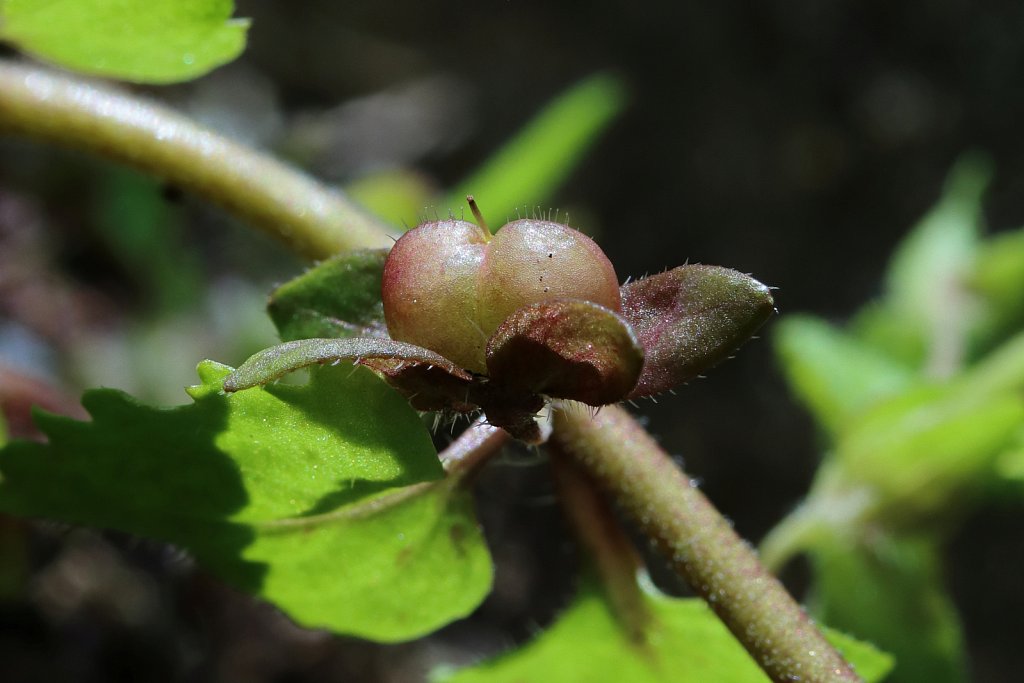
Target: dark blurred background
x,y
796,141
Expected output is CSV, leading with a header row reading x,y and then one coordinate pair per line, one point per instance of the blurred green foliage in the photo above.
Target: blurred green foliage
x,y
522,175
922,402
528,169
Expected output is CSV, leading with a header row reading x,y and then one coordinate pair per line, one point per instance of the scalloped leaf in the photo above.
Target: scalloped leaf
x,y
566,348
685,642
326,499
145,41
691,318
337,298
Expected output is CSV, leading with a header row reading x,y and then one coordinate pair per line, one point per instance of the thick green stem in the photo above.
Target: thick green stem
x,y
310,218
700,544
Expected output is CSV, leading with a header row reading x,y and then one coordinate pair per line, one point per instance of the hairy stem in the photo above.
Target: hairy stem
x,y
700,544
310,218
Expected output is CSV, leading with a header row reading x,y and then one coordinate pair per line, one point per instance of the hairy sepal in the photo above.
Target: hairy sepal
x,y
427,380
275,362
691,318
566,348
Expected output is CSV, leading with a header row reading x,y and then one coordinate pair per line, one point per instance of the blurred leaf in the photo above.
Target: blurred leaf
x,y
923,450
531,166
1010,463
685,642
398,196
134,218
998,277
146,41
999,268
340,297
326,499
927,315
691,318
1000,371
889,591
834,374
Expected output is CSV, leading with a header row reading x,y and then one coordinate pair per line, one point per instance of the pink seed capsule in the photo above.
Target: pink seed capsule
x,y
448,285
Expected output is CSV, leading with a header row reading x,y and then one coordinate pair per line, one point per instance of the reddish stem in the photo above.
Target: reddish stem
x,y
700,544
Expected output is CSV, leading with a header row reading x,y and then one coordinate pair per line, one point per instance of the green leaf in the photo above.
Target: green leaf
x,y
339,297
926,317
997,277
146,41
923,451
326,499
890,592
834,374
686,642
531,166
1010,464
691,318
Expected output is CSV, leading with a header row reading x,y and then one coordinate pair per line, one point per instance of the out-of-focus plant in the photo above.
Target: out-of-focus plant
x,y
921,402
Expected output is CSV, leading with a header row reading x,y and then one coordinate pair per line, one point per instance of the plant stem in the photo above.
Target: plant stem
x,y
310,218
699,543
606,543
477,443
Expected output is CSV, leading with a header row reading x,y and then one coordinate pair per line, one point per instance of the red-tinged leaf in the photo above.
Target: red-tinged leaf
x,y
691,318
426,386
566,348
514,411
